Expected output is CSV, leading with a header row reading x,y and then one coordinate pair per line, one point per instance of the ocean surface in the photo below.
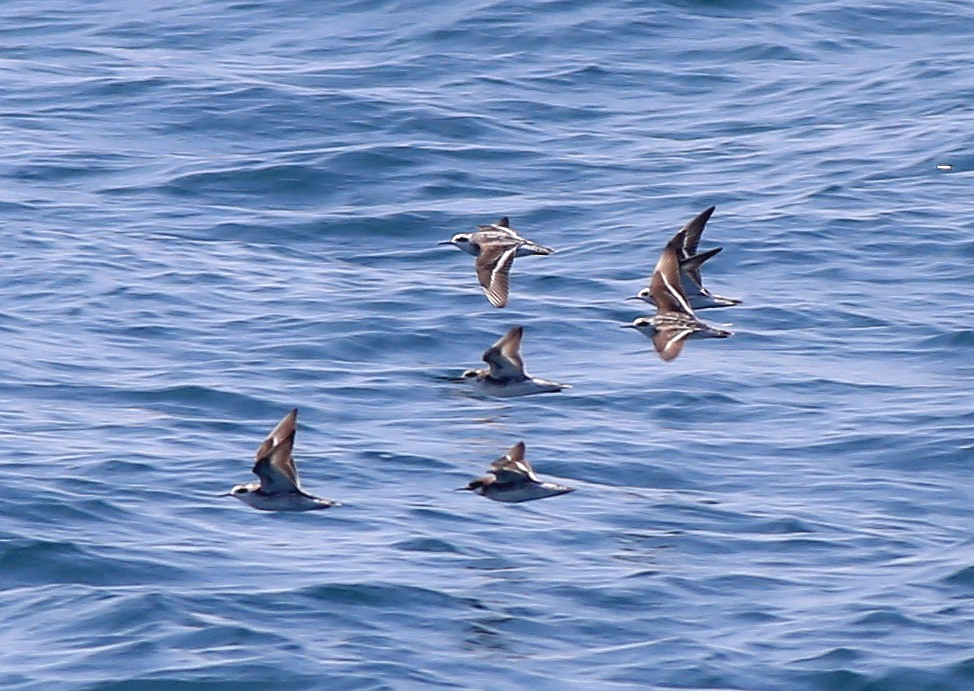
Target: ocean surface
x,y
215,211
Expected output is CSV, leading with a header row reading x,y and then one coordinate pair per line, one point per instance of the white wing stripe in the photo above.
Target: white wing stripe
x,y
676,294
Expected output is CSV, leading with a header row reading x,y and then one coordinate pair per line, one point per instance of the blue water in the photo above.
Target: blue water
x,y
215,211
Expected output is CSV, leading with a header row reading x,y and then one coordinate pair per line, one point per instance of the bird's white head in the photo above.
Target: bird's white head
x,y
643,325
465,242
243,492
645,295
477,486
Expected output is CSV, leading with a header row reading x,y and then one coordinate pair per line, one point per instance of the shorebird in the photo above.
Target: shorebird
x,y
278,489
690,262
495,246
511,479
504,374
675,321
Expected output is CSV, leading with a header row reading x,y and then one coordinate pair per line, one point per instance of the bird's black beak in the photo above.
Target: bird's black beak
x,y
627,326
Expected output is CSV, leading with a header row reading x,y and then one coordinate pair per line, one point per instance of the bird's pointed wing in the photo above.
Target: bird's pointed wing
x,y
284,429
493,271
502,226
669,343
690,266
274,463
664,286
693,230
513,466
510,346
504,357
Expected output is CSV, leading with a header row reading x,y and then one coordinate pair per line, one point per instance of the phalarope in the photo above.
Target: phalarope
x,y
512,479
690,262
495,246
278,489
674,321
504,374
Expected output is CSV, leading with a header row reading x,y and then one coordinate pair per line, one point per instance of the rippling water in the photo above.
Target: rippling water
x,y
216,211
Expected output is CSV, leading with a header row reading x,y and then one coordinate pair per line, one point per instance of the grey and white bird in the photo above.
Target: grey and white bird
x,y
279,488
512,479
495,246
690,263
674,321
504,374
